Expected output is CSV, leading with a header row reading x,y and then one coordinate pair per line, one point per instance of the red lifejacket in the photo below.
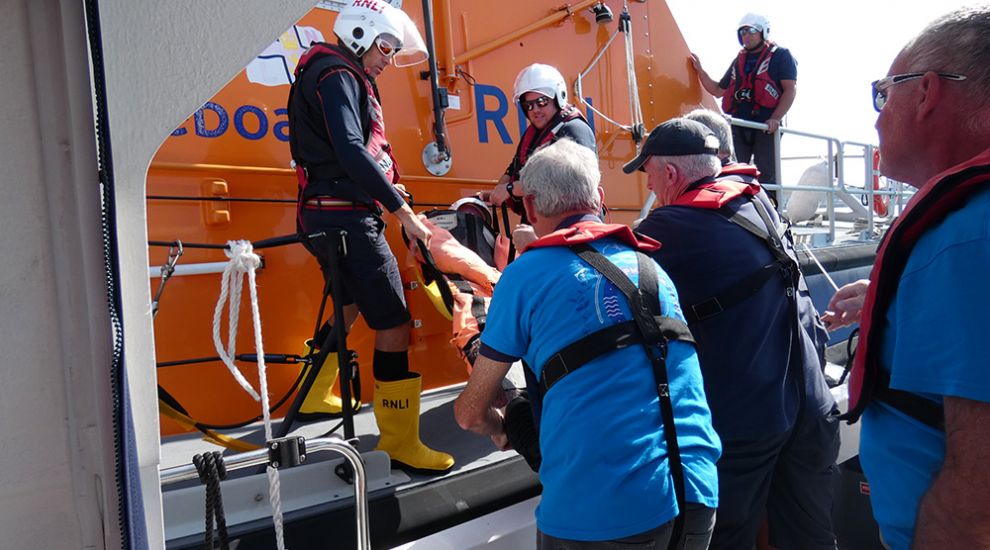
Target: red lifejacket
x,y
306,144
734,181
942,195
533,139
755,86
587,231
718,193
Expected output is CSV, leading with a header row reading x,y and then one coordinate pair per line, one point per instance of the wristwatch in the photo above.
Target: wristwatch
x,y
508,189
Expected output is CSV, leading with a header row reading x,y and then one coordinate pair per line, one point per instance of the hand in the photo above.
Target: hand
x,y
773,124
695,62
414,227
501,400
501,441
401,189
497,195
522,236
846,305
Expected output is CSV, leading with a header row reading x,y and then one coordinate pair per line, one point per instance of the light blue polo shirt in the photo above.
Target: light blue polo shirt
x,y
605,473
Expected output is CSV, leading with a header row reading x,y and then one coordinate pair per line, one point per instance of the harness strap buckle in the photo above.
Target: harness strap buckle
x,y
708,308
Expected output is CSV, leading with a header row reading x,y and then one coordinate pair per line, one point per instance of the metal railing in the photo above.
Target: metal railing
x,y
259,457
838,191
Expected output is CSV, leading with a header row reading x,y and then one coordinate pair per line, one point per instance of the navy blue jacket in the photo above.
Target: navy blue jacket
x,y
752,388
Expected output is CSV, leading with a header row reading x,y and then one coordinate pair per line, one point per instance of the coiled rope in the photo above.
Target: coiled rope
x,y
211,471
243,261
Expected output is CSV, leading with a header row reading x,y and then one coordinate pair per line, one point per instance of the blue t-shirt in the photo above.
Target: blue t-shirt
x,y
744,350
943,286
783,66
604,472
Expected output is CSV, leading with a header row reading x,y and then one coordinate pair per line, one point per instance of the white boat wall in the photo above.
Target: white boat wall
x,y
162,60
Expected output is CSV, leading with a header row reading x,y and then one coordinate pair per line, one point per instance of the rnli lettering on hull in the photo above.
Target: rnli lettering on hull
x,y
398,404
251,122
497,115
274,67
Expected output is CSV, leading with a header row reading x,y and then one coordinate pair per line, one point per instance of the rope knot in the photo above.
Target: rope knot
x,y
242,256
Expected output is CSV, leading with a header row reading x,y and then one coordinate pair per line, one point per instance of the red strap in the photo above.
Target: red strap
x,y
584,232
715,195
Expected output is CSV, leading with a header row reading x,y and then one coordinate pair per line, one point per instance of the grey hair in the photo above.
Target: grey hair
x,y
563,177
719,126
694,167
957,43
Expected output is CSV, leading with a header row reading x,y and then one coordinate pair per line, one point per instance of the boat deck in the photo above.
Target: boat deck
x,y
404,505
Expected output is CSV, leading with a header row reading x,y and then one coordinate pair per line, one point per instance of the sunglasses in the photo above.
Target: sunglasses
x,y
386,48
529,105
748,30
880,86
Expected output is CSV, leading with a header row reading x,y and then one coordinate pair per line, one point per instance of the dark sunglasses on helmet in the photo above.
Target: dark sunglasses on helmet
x,y
529,105
748,30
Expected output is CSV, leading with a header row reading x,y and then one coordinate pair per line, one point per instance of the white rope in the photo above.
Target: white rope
x,y
238,264
244,260
634,105
275,496
636,110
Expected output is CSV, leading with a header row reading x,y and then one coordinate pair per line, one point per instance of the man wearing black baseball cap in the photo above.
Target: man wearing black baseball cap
x,y
760,341
676,137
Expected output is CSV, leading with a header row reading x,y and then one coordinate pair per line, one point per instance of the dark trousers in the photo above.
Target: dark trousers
x,y
788,478
698,523
756,147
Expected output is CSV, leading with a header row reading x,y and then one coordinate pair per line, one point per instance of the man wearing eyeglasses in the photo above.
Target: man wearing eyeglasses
x,y
920,377
759,86
541,92
347,179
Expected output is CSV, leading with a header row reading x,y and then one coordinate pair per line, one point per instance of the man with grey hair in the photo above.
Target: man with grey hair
x,y
620,458
760,342
722,130
920,376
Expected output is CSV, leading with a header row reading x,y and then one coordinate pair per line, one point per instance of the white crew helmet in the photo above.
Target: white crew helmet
x,y
359,24
757,21
542,79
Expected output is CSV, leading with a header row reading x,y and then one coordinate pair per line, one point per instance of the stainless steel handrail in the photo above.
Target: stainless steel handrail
x,y
247,459
836,188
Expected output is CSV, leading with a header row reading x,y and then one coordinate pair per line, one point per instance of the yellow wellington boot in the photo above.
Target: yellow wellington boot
x,y
397,413
320,402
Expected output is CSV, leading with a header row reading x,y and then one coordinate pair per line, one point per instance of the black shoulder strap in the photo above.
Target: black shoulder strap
x,y
645,305
923,410
753,282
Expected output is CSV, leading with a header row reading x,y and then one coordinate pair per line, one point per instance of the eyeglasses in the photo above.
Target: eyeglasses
x,y
880,86
386,47
748,30
529,105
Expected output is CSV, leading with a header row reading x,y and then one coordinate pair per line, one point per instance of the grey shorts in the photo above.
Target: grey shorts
x,y
788,479
369,273
698,523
